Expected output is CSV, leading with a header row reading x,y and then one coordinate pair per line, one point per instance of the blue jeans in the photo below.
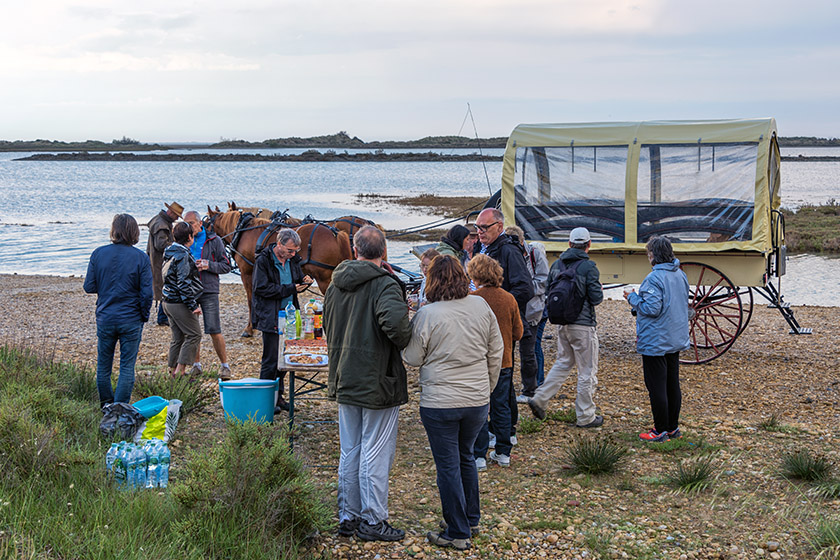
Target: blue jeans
x,y
538,351
452,433
128,335
500,417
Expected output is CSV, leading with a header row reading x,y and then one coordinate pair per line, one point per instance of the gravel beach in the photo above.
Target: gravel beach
x,y
539,508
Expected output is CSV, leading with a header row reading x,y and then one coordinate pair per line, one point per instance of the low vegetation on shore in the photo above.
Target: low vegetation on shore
x,y
247,497
813,228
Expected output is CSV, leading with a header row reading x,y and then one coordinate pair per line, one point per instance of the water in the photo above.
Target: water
x,y
53,214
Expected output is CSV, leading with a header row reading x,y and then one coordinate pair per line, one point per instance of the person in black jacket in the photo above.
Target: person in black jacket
x,y
181,289
277,280
493,242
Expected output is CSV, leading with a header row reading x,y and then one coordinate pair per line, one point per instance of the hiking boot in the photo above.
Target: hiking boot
x,y
480,465
675,434
492,443
654,436
536,410
382,531
347,528
444,526
598,422
502,460
282,405
196,371
224,373
458,544
522,399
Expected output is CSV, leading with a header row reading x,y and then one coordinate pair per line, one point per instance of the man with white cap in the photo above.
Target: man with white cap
x,y
577,342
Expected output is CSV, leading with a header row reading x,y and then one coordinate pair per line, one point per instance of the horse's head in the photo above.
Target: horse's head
x,y
224,223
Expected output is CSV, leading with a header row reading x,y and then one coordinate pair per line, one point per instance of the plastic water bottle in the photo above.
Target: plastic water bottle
x,y
153,460
291,329
281,321
121,468
140,465
165,457
110,456
309,320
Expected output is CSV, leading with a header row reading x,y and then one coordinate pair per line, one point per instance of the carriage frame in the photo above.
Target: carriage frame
x,y
711,187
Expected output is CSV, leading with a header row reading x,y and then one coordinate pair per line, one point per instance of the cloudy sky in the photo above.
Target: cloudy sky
x,y
173,70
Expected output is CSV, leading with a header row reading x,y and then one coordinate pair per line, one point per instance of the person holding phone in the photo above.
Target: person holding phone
x,y
278,279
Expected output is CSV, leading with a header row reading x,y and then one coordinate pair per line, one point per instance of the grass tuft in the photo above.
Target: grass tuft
x,y
692,475
594,456
529,425
773,424
825,539
567,415
827,489
194,392
802,465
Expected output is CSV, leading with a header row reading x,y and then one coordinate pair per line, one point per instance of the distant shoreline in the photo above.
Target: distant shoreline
x,y
307,156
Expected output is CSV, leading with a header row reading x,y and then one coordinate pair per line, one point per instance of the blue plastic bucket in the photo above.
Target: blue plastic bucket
x,y
150,406
249,399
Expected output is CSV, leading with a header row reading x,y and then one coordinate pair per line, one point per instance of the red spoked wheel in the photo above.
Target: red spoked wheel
x,y
716,313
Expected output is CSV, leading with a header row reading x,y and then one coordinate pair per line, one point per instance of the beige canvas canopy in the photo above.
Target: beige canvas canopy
x,y
709,186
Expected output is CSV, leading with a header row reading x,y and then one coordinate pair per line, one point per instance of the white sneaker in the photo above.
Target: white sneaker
x,y
522,399
502,460
492,444
513,440
480,464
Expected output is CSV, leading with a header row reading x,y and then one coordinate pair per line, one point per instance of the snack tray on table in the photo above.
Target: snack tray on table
x,y
316,348
306,359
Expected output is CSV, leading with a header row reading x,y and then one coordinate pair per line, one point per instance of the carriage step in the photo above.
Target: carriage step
x,y
782,306
801,330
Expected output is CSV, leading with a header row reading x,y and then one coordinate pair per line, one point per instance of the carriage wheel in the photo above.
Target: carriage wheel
x,y
747,303
718,313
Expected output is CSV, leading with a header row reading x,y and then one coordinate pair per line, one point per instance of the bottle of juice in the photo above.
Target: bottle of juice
x,y
309,320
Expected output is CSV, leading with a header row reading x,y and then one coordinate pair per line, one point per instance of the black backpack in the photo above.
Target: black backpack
x,y
564,302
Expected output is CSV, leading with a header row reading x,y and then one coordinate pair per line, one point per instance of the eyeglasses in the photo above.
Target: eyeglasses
x,y
484,228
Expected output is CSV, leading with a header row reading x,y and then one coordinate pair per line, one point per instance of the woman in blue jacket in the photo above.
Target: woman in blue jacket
x,y
121,276
662,315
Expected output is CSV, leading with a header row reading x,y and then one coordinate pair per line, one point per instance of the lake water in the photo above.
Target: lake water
x,y
53,214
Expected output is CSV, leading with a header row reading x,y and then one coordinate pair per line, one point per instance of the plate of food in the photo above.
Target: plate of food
x,y
306,359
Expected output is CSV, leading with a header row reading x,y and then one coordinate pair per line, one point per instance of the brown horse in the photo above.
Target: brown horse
x,y
321,249
264,213
352,224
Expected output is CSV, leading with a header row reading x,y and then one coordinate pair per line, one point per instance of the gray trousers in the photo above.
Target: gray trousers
x,y
368,445
576,345
186,333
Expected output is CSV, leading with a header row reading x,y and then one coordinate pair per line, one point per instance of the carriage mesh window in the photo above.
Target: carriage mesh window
x,y
700,193
560,188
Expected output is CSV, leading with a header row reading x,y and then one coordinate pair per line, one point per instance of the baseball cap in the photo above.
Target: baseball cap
x,y
579,235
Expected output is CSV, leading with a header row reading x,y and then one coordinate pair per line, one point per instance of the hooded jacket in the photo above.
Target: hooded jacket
x,y
366,325
661,307
180,277
517,279
268,292
587,282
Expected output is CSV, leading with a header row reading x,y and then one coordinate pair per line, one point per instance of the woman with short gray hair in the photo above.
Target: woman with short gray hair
x,y
661,308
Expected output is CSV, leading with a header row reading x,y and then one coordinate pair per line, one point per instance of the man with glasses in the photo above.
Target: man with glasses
x,y
211,260
278,279
495,243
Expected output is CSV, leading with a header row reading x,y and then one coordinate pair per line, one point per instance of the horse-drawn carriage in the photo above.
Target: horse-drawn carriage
x,y
711,187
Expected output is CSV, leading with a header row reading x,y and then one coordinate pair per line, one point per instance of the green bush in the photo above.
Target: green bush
x,y
248,494
594,456
692,475
802,465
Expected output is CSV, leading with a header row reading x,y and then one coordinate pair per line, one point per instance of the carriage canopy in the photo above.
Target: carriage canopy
x,y
709,186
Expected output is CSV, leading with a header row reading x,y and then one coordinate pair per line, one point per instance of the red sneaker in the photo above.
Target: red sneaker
x,y
654,436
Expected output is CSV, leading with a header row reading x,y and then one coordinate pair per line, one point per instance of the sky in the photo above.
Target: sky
x,y
190,71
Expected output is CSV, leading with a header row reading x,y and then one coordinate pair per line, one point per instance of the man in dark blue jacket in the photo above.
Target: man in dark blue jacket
x,y
121,276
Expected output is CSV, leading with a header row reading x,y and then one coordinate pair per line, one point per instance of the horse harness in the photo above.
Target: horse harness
x,y
309,259
355,223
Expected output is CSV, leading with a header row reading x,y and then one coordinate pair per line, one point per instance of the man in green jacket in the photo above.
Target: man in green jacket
x,y
366,325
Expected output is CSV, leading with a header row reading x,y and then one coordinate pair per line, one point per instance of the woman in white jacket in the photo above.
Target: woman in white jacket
x,y
456,380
